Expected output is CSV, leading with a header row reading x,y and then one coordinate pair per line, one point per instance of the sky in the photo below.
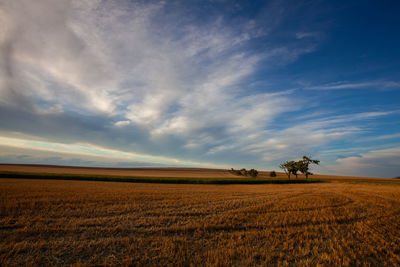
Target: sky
x,y
216,84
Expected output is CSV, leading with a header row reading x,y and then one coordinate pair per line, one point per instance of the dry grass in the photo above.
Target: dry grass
x,y
72,222
142,172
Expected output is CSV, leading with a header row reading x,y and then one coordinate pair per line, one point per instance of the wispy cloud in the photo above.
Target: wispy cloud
x,y
379,137
356,85
376,163
46,60
129,61
95,152
122,123
301,35
302,137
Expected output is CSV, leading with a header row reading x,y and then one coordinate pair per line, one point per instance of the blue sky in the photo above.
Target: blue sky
x,y
201,83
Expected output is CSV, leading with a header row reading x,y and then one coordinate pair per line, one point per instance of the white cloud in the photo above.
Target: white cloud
x,y
111,57
122,123
47,58
307,135
301,35
376,163
124,58
356,85
222,118
89,151
379,137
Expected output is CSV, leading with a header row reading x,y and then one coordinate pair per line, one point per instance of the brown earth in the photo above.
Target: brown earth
x,y
49,222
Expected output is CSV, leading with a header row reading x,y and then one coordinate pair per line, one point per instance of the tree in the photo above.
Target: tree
x,y
304,165
294,167
244,172
288,167
253,173
236,172
272,174
284,166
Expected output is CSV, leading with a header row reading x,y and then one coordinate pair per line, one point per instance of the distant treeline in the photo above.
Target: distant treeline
x,y
244,172
252,172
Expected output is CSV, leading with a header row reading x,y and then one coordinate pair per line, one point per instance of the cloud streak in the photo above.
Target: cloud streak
x,y
96,152
358,85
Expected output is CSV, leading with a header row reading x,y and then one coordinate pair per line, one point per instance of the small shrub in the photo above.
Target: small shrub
x,y
253,173
272,174
244,172
236,172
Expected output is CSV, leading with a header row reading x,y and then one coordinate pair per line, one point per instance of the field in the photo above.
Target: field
x,y
52,222
182,173
139,172
140,175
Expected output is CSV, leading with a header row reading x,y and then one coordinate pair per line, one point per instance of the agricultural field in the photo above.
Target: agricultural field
x,y
141,172
201,173
57,222
140,175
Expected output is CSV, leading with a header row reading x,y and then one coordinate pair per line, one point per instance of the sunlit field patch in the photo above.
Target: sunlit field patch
x,y
48,222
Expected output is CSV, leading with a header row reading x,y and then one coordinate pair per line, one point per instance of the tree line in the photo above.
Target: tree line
x,y
289,167
244,172
303,166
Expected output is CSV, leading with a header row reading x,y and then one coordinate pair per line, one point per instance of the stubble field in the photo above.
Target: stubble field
x,y
45,222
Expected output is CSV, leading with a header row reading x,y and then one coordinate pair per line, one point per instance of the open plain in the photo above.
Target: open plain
x,y
203,133
50,222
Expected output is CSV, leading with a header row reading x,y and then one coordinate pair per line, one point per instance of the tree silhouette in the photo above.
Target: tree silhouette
x,y
289,167
304,165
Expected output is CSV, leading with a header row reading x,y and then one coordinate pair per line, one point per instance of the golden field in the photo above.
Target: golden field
x,y
49,222
142,172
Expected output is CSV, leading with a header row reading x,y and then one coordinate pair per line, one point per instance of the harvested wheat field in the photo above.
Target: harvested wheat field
x,y
143,172
48,222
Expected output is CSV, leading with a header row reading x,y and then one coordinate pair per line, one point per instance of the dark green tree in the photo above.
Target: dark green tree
x,y
294,168
289,168
253,173
304,165
284,166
